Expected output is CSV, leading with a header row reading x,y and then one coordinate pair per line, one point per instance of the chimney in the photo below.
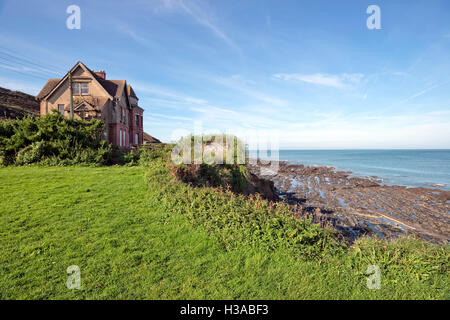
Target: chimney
x,y
101,74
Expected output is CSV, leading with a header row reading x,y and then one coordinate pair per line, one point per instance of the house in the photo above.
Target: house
x,y
95,97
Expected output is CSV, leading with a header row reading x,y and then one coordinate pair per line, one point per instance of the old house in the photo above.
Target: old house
x,y
94,96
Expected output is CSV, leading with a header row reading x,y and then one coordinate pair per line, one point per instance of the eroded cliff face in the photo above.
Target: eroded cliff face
x,y
237,178
264,187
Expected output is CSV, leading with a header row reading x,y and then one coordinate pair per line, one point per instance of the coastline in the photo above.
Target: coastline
x,y
358,206
405,167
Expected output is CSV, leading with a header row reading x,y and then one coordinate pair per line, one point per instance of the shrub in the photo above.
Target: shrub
x,y
233,218
53,139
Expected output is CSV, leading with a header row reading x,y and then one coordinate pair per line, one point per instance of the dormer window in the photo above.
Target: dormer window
x,y
80,88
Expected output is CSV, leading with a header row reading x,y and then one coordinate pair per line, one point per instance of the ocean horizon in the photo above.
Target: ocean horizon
x,y
405,167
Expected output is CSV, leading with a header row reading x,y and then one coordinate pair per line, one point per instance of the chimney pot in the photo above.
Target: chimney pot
x,y
101,74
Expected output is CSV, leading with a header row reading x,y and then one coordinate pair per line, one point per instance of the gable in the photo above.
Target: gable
x,y
80,72
84,106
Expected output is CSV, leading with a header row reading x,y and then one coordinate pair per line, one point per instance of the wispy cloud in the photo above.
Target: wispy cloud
x,y
239,84
422,92
202,16
128,31
20,86
170,95
323,79
165,116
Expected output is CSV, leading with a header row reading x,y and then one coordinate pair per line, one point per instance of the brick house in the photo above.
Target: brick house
x,y
113,101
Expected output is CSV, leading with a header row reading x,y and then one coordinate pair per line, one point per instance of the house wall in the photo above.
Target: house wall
x,y
116,114
139,128
62,94
115,130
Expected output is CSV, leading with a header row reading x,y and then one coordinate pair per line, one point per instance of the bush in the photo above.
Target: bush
x,y
54,140
233,218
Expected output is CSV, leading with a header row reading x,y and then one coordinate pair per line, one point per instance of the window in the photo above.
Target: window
x,y
61,109
136,139
137,119
84,88
122,115
76,88
80,88
121,144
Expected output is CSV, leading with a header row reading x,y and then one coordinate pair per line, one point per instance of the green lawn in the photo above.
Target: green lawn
x,y
129,244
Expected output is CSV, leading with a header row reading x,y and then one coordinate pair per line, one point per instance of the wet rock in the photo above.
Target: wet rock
x,y
362,206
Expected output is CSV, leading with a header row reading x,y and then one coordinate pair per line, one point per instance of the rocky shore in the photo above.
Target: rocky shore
x,y
360,206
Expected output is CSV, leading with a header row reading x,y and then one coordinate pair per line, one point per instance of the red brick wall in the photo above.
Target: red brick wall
x,y
139,129
114,135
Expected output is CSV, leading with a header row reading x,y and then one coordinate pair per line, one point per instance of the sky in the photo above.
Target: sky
x,y
309,72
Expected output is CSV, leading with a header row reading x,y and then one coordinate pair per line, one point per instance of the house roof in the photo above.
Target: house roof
x,y
114,88
49,86
149,139
86,104
131,92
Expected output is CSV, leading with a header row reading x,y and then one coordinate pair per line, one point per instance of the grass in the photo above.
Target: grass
x,y
153,238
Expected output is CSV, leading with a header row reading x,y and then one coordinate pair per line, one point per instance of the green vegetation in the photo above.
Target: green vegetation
x,y
53,140
159,238
225,155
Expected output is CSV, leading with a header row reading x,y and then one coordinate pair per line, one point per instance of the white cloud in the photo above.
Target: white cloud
x,y
128,31
239,84
159,115
172,96
323,79
20,86
422,92
202,16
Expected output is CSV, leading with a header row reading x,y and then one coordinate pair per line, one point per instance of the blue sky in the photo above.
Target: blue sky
x,y
310,70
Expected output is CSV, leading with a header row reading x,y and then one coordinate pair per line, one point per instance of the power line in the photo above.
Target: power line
x,y
22,73
21,68
24,60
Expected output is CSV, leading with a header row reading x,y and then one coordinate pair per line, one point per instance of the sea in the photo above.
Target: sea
x,y
412,168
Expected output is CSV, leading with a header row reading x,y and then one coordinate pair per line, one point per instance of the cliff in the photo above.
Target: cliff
x,y
16,104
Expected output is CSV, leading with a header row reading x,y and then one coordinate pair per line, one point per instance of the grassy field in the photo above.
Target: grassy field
x,y
135,234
